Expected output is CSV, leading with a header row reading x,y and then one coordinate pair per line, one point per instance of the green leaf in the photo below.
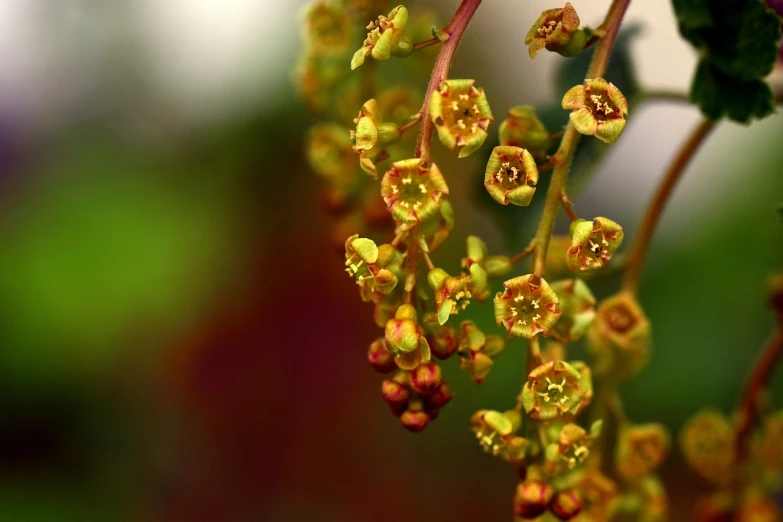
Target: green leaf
x,y
719,95
738,42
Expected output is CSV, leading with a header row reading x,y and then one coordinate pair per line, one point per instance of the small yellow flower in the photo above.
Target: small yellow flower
x,y
551,390
386,38
461,115
511,176
527,306
557,30
599,109
412,190
593,243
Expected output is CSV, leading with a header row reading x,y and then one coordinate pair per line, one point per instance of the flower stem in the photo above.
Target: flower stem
x,y
426,43
567,206
526,252
650,220
762,371
565,153
410,124
440,72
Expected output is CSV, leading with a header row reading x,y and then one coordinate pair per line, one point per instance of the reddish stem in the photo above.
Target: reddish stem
x,y
440,71
762,371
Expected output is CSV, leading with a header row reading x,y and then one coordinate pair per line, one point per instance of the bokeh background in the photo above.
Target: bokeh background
x,y
178,341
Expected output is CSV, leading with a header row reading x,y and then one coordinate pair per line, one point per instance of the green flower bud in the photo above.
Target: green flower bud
x,y
551,390
495,432
556,30
477,350
641,449
532,498
436,228
372,136
402,332
497,266
475,264
327,28
386,38
461,115
599,109
451,293
413,191
593,243
523,129
578,306
511,176
567,504
707,441
527,306
619,338
330,154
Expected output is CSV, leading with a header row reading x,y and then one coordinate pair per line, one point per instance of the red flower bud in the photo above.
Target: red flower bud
x,y
439,398
379,357
415,420
396,395
532,498
567,504
426,378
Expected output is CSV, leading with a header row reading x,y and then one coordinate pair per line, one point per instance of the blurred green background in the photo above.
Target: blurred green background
x,y
178,341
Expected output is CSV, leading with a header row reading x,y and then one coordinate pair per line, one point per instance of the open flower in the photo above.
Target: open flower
x,y
551,390
527,306
511,176
593,243
578,306
640,449
372,136
496,431
386,38
599,109
477,350
461,115
619,338
451,293
405,339
522,128
558,31
412,190
362,262
571,449
707,441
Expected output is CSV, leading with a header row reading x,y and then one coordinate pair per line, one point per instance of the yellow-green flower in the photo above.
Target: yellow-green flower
x,y
551,390
476,350
593,243
413,190
578,306
372,136
386,38
522,128
461,114
405,339
451,293
707,441
496,433
619,338
556,30
511,176
599,109
640,449
527,306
